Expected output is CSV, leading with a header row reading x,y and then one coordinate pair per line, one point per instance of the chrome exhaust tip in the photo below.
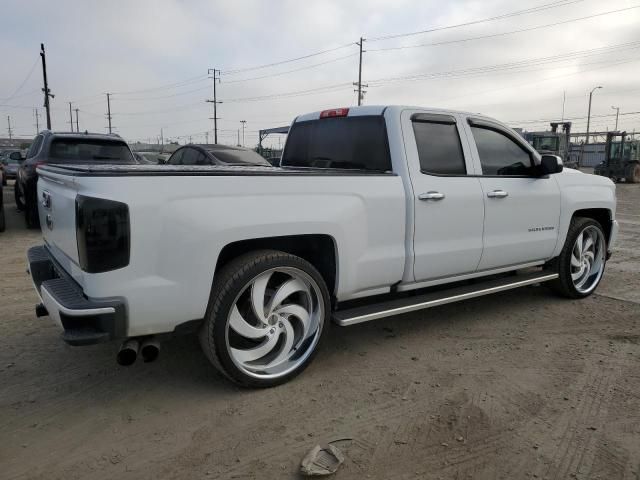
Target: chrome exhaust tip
x,y
150,350
128,352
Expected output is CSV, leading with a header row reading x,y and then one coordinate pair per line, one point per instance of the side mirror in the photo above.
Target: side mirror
x,y
550,164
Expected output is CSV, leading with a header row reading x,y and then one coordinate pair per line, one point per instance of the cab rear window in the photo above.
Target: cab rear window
x,y
99,151
354,143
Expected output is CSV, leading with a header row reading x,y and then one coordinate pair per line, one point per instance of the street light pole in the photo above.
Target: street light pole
x,y
589,112
243,122
617,109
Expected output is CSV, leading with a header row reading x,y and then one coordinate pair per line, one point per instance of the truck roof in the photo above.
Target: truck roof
x,y
380,110
83,135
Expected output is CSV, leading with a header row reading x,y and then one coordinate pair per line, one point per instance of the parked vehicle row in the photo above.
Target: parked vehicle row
x,y
64,149
374,211
10,161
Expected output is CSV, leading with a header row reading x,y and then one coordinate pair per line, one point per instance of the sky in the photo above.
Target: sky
x,y
521,62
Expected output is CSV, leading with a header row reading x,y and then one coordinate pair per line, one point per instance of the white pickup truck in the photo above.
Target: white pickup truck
x,y
374,211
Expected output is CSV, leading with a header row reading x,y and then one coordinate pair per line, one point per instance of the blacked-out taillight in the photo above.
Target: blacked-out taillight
x,y
103,234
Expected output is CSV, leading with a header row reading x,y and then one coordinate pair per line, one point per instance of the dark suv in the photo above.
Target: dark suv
x,y
55,147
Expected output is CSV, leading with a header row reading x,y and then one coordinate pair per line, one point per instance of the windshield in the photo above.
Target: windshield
x,y
546,143
344,142
239,157
80,150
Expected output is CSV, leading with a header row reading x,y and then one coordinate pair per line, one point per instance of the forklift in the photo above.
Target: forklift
x,y
554,142
621,160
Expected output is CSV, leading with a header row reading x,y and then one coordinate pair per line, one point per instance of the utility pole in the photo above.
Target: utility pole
x,y
238,137
35,111
109,109
589,112
216,78
617,109
360,93
77,123
47,92
206,136
70,117
161,138
243,122
9,129
564,99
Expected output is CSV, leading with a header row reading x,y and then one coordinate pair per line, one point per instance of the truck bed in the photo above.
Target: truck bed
x,y
199,170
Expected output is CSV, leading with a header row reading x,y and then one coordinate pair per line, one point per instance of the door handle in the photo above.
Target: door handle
x,y
431,196
497,194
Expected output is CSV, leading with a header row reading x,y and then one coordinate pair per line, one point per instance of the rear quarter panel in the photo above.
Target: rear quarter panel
x,y
180,224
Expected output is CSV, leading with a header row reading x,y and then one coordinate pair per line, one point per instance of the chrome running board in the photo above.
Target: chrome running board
x,y
433,299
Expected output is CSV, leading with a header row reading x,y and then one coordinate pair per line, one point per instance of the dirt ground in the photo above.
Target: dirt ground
x,y
518,385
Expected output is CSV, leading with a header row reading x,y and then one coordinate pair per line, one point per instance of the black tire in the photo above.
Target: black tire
x,y
16,195
633,173
31,216
3,223
228,284
563,285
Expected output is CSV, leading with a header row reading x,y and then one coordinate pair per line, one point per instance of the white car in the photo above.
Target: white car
x,y
369,203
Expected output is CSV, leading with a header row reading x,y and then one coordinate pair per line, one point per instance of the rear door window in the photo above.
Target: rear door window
x,y
190,156
239,157
439,148
354,143
176,158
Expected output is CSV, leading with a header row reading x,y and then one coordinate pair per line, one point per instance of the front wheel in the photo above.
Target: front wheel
x,y
267,313
581,263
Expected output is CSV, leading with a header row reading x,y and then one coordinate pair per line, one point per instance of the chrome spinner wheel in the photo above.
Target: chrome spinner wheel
x,y
588,259
275,323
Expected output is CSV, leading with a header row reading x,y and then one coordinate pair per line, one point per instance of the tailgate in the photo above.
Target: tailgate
x,y
57,208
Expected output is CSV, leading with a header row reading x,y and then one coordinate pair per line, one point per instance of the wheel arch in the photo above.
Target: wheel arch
x,y
601,215
320,250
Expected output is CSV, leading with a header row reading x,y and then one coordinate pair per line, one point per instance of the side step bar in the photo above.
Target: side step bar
x,y
433,299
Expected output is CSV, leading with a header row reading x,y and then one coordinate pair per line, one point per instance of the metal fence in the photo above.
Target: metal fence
x,y
588,155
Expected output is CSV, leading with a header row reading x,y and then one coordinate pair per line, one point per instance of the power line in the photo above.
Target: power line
x,y
292,71
493,35
546,120
526,11
326,89
22,84
509,65
282,62
182,83
168,96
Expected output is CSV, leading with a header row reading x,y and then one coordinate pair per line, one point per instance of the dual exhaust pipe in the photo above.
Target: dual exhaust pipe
x,y
148,348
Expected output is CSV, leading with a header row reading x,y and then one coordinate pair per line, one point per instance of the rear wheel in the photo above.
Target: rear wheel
x,y
267,313
582,261
31,213
2,219
17,195
633,173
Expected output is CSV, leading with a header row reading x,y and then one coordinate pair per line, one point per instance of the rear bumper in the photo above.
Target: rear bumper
x,y
84,320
